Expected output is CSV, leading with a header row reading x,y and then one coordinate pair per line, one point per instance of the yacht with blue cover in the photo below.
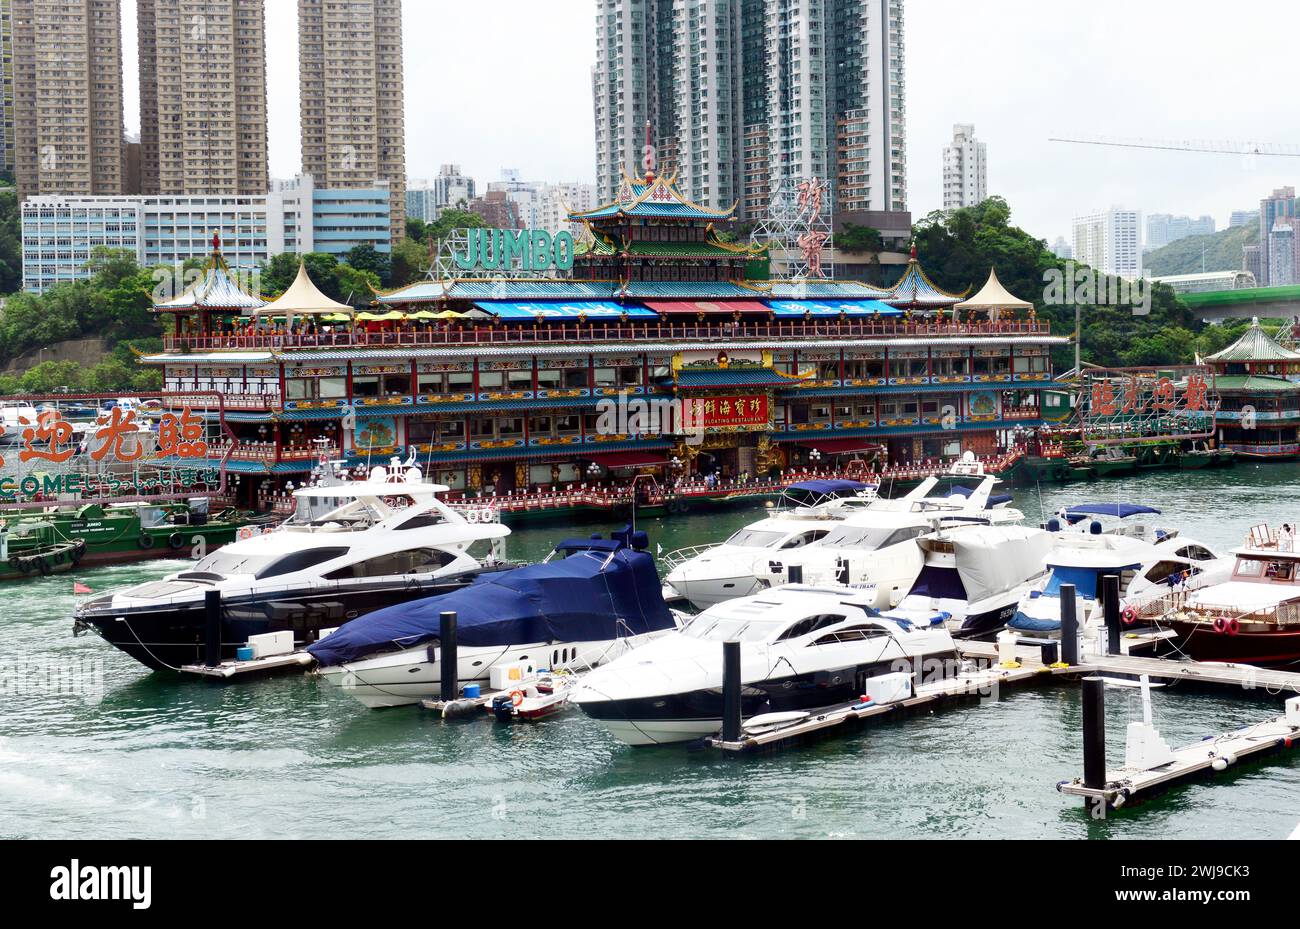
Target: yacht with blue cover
x,y
1097,539
590,601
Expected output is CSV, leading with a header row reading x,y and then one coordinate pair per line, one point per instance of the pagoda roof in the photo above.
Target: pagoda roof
x,y
1255,345
820,290
652,197
914,288
604,244
217,290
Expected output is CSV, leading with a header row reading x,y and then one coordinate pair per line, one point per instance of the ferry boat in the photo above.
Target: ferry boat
x,y
597,600
115,534
349,549
802,647
1251,618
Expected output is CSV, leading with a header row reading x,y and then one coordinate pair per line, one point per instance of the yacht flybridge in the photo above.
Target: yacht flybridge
x,y
350,548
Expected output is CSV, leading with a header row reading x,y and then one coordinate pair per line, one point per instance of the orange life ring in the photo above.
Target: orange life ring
x,y
1233,627
1129,616
1220,624
516,697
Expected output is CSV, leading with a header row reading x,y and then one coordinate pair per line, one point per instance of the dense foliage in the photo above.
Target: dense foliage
x,y
1194,254
957,250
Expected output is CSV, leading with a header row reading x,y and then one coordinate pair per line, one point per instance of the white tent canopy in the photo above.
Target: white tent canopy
x,y
303,298
994,298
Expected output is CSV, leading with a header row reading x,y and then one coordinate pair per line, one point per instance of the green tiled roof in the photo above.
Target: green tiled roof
x,y
1255,345
1257,383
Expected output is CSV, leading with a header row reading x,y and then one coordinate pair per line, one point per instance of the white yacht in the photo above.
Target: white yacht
x,y
974,576
598,600
708,574
1097,539
877,548
350,548
802,648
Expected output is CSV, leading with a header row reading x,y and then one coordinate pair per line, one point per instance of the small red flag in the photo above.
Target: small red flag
x,y
78,589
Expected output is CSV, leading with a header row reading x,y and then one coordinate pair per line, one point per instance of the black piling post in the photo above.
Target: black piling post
x,y
795,574
447,650
1069,625
1094,733
1110,602
842,571
730,691
212,630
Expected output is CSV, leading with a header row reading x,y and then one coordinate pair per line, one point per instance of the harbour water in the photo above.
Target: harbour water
x,y
94,746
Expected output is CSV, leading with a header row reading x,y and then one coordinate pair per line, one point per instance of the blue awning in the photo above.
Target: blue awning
x,y
590,309
798,309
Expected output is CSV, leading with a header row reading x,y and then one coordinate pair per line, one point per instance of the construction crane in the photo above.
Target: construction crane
x,y
1211,146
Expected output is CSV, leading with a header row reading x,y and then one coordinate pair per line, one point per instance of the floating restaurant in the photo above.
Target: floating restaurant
x,y
1260,414
501,384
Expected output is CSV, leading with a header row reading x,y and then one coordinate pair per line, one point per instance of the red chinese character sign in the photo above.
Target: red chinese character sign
x,y
82,449
1122,405
729,412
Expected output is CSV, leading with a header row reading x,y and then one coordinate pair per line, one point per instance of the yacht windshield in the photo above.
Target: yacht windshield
x,y
869,538
224,563
756,538
730,629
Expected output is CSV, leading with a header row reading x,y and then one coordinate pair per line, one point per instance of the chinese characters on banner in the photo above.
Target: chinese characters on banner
x,y
1115,405
52,440
729,412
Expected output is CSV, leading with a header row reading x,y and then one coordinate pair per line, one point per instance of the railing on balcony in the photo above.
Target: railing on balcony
x,y
267,454
587,332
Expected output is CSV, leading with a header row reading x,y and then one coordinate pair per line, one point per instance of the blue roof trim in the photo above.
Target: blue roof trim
x,y
593,309
761,377
797,309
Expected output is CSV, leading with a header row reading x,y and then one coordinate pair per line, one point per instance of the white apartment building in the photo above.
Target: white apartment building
x,y
1110,241
965,169
557,201
742,95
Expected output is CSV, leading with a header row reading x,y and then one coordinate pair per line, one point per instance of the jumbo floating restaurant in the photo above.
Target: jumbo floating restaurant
x,y
495,384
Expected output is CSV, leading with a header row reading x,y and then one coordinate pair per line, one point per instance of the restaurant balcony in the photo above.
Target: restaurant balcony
x,y
266,453
474,336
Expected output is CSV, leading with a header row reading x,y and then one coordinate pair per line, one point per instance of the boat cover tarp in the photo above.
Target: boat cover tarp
x,y
828,488
1000,558
1121,510
576,599
995,500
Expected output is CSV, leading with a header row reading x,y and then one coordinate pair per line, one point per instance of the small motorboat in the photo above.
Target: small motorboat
x,y
589,602
801,648
39,560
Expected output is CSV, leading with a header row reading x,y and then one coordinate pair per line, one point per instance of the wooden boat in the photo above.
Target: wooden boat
x,y
1253,618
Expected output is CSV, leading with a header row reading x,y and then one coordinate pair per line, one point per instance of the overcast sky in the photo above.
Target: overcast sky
x,y
506,83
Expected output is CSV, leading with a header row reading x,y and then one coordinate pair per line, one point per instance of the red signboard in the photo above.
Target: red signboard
x,y
729,412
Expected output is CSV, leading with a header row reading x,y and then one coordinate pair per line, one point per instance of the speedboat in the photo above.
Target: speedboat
x,y
350,548
1252,617
877,548
1148,560
975,576
801,648
709,574
589,602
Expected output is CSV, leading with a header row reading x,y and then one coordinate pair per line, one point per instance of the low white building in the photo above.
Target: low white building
x,y
1208,282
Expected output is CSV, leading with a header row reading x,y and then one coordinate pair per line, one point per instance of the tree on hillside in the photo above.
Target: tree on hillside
x,y
859,240
368,258
958,249
11,252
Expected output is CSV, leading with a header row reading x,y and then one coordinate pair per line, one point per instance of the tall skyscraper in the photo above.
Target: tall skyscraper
x,y
1281,204
965,169
6,87
743,95
203,97
1110,242
68,124
353,116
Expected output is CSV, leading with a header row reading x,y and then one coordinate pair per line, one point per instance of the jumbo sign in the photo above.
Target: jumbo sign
x,y
531,250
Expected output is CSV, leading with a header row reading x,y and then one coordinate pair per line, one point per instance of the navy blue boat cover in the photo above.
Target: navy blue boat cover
x,y
1122,510
828,487
575,599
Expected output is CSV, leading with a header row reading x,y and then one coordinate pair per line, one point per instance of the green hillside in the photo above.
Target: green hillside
x,y
1218,252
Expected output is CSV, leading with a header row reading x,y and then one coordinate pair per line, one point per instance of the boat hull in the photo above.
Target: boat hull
x,y
663,719
1202,643
172,636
